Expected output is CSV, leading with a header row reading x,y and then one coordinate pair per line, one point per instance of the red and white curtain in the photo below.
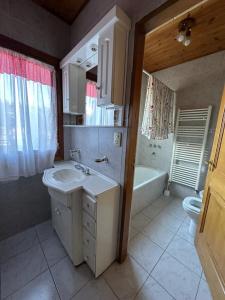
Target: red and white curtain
x,y
96,115
28,126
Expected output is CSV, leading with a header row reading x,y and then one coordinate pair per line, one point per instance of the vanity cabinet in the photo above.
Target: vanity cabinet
x,y
74,89
100,229
112,58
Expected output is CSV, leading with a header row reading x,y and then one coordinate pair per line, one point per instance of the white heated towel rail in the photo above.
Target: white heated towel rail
x,y
190,138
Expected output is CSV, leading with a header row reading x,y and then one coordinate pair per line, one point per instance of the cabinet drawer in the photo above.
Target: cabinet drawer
x,y
88,241
89,258
89,204
89,223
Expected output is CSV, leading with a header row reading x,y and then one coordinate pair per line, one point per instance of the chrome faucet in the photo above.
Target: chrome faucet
x,y
86,171
103,159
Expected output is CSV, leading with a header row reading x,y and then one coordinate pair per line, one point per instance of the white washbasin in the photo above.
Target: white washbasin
x,y
66,179
67,175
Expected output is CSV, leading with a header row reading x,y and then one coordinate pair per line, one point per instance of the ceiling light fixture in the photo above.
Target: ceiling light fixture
x,y
184,35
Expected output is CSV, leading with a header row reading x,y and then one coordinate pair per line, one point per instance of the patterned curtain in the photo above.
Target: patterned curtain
x,y
158,116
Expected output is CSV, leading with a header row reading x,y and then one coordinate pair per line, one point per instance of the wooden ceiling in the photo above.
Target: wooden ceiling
x,y
67,10
208,36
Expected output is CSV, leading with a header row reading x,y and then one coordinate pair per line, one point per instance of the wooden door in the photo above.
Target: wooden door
x,y
210,238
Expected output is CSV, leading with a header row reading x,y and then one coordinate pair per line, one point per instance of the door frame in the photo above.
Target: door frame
x,y
164,13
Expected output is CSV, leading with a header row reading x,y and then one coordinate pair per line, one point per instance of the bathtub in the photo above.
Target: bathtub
x,y
149,184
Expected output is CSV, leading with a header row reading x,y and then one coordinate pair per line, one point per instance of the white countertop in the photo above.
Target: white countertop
x,y
94,184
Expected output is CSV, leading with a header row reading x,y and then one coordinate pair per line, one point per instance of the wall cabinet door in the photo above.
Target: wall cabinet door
x,y
105,53
65,78
112,56
74,89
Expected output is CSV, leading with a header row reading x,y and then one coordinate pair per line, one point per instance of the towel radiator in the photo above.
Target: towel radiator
x,y
189,148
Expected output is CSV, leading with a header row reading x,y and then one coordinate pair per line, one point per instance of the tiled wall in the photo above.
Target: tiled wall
x,y
155,153
95,142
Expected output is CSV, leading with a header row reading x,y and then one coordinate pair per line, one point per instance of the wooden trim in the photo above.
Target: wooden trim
x,y
19,47
156,18
220,138
132,139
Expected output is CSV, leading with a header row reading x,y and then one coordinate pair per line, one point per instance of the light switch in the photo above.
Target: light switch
x,y
117,139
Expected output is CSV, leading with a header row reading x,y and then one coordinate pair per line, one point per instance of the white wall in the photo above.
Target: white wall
x,y
34,26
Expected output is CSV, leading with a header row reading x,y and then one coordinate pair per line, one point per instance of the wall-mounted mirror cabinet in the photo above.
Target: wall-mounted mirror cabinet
x,y
94,78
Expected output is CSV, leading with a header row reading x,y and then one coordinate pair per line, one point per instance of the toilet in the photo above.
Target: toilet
x,y
192,206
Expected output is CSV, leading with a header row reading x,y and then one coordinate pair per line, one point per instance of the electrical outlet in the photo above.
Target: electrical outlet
x,y
117,139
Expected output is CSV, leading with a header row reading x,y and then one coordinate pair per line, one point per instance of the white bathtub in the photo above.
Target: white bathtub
x,y
149,184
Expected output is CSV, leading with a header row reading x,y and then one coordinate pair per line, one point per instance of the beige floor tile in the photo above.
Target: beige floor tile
x,y
45,230
125,279
151,211
21,269
41,288
96,289
69,279
18,243
53,250
152,291
139,221
169,221
145,252
186,253
178,280
159,234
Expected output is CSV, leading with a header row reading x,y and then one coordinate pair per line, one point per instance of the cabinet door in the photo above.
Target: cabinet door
x,y
62,222
74,89
65,79
105,57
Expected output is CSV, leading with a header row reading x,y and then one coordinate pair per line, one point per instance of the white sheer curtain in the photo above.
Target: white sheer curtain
x,y
95,115
28,131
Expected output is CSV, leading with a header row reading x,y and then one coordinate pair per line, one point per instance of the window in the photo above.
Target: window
x,y
96,115
28,127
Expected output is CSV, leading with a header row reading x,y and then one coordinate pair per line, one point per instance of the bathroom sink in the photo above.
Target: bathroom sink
x,y
67,175
66,179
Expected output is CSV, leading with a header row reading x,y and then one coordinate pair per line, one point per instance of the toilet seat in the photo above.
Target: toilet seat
x,y
192,204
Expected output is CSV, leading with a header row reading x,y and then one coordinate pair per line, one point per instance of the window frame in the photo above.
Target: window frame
x,y
21,48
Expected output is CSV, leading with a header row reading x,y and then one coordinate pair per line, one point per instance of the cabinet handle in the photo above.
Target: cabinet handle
x,y
57,211
88,205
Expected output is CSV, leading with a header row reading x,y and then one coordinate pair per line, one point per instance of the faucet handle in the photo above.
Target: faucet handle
x,y
87,171
103,159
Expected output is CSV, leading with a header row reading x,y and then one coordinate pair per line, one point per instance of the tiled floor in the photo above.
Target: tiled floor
x,y
162,263
163,247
